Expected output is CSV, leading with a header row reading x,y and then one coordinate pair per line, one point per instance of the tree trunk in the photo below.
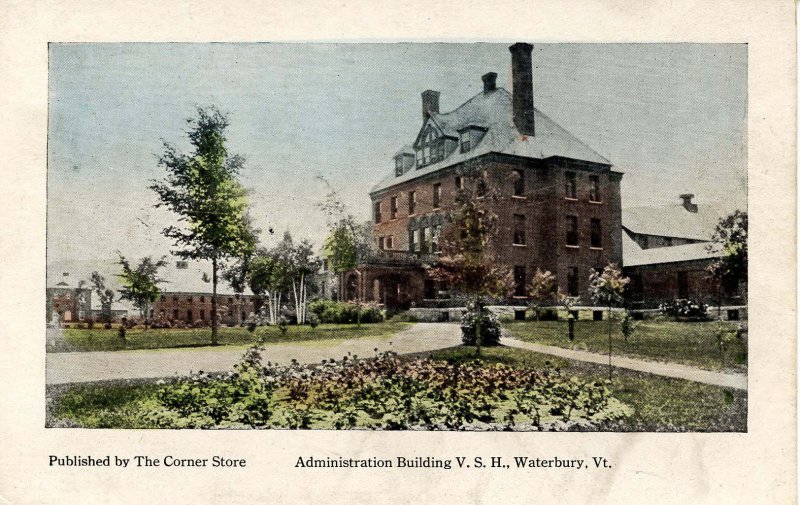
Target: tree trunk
x,y
609,343
296,301
479,310
214,315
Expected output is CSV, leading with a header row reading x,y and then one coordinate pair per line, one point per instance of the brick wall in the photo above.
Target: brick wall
x,y
191,307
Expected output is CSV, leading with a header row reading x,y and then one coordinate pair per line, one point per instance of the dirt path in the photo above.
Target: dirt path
x,y
729,380
72,367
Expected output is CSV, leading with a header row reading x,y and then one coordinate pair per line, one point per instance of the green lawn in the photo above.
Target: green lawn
x,y
139,338
688,343
659,404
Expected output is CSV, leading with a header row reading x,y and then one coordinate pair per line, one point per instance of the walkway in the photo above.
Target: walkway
x,y
728,380
69,367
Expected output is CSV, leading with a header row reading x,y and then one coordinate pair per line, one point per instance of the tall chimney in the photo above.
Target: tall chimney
x,y
522,79
687,202
430,103
489,82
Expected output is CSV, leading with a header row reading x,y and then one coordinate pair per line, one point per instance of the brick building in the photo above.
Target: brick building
x,y
667,251
558,203
186,297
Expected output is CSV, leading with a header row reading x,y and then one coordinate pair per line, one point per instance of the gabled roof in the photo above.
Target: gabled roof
x,y
633,255
177,280
493,110
674,220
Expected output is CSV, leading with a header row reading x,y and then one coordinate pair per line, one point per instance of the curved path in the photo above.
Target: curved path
x,y
69,367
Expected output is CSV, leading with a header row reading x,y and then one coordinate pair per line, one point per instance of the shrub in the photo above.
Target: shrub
x,y
313,320
684,308
283,325
627,325
329,311
107,326
490,327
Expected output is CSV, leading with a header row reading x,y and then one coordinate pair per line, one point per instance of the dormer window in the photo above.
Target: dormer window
x,y
430,148
464,141
398,166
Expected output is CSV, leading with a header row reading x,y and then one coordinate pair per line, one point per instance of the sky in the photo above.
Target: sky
x,y
672,117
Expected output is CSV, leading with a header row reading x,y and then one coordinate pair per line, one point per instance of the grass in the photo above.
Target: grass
x,y
659,403
692,344
139,338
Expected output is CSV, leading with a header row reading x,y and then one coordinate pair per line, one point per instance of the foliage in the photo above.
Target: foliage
x,y
684,308
140,284
730,236
466,262
541,290
202,188
489,326
627,326
329,311
104,295
607,288
382,393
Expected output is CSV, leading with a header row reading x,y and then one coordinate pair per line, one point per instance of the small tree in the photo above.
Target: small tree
x,y
104,294
140,284
607,288
541,291
730,239
466,263
203,190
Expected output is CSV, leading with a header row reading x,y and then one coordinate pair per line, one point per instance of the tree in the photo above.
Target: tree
x,y
466,262
302,264
607,288
104,294
269,277
140,284
347,243
541,290
729,238
202,188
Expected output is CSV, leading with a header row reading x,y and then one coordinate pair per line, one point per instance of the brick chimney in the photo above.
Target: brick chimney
x,y
522,80
489,82
687,202
430,103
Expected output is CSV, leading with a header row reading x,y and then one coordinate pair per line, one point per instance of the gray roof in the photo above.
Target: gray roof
x,y
177,280
633,255
493,110
674,220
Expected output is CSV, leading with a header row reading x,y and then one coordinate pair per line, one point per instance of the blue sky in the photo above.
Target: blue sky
x,y
671,116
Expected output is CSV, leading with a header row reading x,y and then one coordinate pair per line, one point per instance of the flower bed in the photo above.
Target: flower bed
x,y
382,393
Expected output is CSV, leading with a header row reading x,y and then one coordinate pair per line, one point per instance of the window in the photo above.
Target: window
x,y
435,230
667,241
202,299
175,299
390,242
393,208
175,314
423,240
413,240
571,185
430,149
189,316
412,202
683,285
459,183
189,299
594,188
519,229
381,243
518,177
437,195
464,140
398,166
572,231
202,314
572,281
230,299
430,289
519,280
596,233
182,265
378,212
